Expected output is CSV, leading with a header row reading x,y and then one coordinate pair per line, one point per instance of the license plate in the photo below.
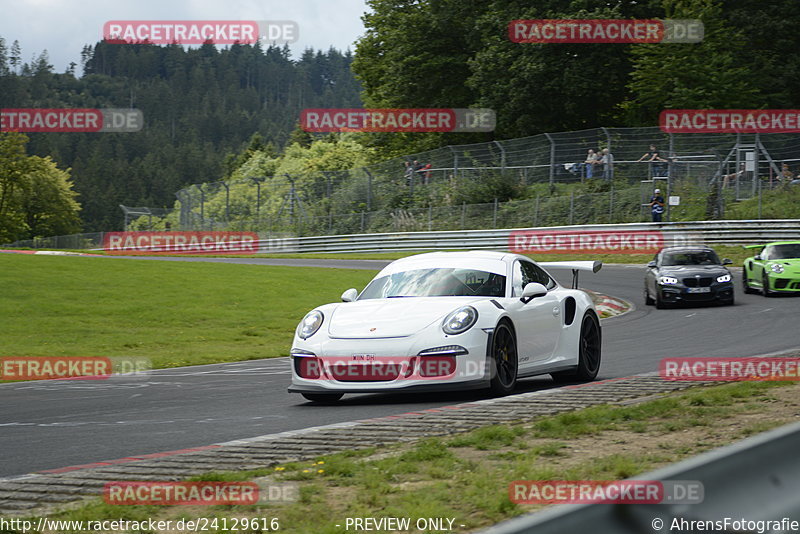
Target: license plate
x,y
698,290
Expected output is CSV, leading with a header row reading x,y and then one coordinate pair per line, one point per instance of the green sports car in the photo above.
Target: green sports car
x,y
776,269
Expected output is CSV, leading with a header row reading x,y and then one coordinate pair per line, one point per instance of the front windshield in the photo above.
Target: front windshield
x,y
691,257
448,282
784,252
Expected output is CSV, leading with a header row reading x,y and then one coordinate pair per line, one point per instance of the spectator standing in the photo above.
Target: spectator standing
x,y
408,172
591,161
607,160
657,205
732,177
786,175
653,156
426,173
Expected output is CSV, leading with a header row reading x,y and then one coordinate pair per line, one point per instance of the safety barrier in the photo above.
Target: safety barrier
x,y
677,233
755,480
733,232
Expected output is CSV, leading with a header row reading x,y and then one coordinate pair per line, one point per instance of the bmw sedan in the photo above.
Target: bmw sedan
x,y
687,274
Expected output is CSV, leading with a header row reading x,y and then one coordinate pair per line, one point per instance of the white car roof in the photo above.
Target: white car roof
x,y
482,260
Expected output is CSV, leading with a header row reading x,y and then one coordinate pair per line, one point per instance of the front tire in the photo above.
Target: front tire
x,y
503,360
765,286
589,353
745,284
648,300
660,304
323,398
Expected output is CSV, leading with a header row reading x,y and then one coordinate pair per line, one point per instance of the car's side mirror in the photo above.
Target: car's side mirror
x,y
727,261
757,257
533,290
350,295
652,264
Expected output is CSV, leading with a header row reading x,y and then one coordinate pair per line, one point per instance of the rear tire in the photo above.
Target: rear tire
x,y
589,352
323,398
503,360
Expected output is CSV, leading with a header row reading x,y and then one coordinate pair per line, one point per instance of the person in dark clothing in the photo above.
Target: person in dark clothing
x,y
657,205
656,161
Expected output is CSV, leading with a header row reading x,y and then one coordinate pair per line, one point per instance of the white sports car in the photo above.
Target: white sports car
x,y
449,321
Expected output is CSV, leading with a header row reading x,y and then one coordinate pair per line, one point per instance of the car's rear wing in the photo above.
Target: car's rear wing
x,y
752,246
574,266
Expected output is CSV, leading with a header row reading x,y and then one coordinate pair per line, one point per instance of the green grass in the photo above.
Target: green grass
x,y
465,477
695,408
175,313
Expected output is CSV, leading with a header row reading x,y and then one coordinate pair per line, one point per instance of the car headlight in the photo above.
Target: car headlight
x,y
310,324
668,280
460,320
724,278
776,268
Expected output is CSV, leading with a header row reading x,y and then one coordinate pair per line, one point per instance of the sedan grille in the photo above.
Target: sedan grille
x,y
698,282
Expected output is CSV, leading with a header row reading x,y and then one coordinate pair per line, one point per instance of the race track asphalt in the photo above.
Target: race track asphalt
x,y
52,424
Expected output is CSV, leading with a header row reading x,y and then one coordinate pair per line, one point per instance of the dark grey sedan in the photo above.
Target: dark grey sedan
x,y
687,274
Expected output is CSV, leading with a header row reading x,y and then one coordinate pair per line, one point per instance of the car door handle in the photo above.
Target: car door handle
x,y
556,310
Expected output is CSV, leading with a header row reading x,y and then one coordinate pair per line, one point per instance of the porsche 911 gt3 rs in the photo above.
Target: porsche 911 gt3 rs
x,y
445,321
775,269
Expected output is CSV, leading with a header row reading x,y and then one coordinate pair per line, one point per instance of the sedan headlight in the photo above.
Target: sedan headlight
x,y
460,320
776,268
668,280
724,278
310,324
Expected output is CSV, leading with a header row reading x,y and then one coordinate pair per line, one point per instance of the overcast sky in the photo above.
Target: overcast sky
x,y
63,27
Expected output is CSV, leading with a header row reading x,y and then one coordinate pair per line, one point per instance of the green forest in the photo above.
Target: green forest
x,y
200,106
217,113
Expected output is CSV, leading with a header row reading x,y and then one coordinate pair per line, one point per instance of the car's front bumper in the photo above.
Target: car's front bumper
x,y
406,388
783,283
678,293
391,364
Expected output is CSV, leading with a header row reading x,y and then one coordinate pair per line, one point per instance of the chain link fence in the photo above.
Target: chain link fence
x,y
447,188
542,180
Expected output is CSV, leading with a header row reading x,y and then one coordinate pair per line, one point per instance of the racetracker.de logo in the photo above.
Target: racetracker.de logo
x,y
370,368
730,369
729,120
566,242
202,493
606,492
196,32
618,31
54,368
398,120
111,120
71,367
181,242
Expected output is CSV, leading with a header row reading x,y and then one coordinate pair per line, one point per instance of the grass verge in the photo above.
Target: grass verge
x,y
466,477
175,313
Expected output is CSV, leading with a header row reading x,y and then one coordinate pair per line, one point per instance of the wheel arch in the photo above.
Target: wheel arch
x,y
510,322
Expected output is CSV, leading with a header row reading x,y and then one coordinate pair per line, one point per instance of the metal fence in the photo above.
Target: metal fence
x,y
443,188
